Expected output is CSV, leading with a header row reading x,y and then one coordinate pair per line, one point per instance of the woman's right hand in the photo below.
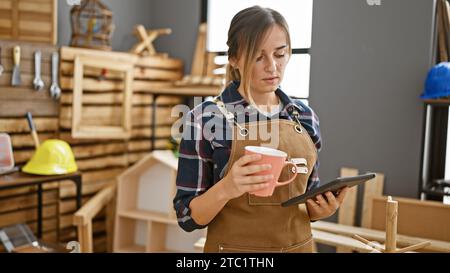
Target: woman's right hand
x,y
240,178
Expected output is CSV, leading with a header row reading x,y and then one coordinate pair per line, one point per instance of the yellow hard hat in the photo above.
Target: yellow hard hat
x,y
52,157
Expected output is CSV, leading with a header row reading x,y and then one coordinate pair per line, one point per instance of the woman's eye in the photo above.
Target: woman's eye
x,y
259,58
279,55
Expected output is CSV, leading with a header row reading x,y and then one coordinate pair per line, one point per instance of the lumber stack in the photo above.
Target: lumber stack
x,y
102,160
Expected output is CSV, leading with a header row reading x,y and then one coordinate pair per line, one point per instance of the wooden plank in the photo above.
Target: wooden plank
x,y
15,19
443,53
5,23
426,219
22,156
20,125
102,162
95,150
162,131
391,225
19,108
68,190
27,215
94,85
340,241
18,191
33,16
67,136
146,132
199,60
111,116
139,145
21,93
45,27
43,7
139,73
6,4
380,236
68,54
347,210
372,189
138,99
27,201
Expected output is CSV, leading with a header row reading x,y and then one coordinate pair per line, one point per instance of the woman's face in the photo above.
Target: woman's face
x,y
271,60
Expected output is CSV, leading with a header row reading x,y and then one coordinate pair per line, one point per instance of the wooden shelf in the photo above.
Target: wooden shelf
x,y
147,216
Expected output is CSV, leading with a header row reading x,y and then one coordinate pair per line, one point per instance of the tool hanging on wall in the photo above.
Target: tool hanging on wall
x,y
1,66
55,91
15,79
38,83
33,130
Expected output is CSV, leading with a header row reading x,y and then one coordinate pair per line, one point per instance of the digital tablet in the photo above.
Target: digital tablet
x,y
333,186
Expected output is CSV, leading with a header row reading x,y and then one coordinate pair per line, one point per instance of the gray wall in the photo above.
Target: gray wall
x,y
182,16
367,72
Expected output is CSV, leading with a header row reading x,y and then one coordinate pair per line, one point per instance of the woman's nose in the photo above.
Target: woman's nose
x,y
271,66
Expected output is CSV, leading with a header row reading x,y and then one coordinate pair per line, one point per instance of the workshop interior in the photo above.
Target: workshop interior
x,y
93,92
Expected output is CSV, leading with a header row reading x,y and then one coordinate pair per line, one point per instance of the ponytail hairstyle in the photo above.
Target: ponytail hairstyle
x,y
247,31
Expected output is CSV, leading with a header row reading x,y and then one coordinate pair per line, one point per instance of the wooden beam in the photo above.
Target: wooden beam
x,y
347,210
391,225
372,189
380,236
414,218
138,73
69,53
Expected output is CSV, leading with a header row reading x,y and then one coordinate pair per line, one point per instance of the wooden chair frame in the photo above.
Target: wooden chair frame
x,y
98,131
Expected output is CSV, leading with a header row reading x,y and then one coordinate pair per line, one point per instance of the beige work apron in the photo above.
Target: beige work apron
x,y
259,224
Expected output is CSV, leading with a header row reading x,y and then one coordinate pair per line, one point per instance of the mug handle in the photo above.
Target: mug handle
x,y
292,178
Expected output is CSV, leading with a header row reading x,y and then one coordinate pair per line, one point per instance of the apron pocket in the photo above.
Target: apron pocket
x,y
305,246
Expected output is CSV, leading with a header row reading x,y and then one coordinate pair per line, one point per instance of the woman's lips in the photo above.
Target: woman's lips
x,y
271,80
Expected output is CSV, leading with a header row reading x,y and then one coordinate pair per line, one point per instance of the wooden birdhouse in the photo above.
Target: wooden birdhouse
x,y
145,218
92,25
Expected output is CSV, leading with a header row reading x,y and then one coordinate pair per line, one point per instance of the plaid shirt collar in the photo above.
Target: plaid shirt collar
x,y
232,96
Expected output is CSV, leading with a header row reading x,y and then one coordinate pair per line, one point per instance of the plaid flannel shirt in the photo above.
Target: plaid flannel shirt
x,y
203,157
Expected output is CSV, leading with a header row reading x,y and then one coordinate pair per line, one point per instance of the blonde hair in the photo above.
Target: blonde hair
x,y
247,31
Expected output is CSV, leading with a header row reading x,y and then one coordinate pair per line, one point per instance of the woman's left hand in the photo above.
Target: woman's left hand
x,y
323,208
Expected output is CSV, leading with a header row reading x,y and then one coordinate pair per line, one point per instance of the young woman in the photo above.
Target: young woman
x,y
215,178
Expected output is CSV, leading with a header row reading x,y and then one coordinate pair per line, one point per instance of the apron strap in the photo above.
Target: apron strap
x,y
230,117
243,131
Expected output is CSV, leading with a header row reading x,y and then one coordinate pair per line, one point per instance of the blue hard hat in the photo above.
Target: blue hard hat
x,y
438,82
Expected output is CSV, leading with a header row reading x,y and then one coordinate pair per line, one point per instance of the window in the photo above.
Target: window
x,y
298,15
